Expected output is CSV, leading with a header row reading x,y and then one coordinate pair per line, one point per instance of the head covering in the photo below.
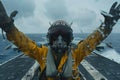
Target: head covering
x,y
62,28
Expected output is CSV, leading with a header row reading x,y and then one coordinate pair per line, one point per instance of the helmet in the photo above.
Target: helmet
x,y
62,28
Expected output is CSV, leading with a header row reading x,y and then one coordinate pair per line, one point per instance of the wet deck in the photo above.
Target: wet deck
x,y
16,68
109,69
102,67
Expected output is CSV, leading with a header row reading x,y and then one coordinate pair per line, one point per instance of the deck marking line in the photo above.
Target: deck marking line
x,y
10,59
93,72
29,75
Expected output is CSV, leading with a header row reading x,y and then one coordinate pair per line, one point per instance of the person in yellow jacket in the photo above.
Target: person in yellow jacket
x,y
58,61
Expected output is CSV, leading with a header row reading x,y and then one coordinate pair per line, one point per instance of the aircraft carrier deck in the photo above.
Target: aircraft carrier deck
x,y
93,67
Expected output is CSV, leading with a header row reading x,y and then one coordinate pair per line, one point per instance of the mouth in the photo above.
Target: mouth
x,y
60,49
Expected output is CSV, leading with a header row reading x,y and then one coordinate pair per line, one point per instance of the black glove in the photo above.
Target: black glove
x,y
5,21
113,16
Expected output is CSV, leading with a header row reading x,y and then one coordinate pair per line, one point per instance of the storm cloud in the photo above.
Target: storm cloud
x,y
56,9
24,7
34,15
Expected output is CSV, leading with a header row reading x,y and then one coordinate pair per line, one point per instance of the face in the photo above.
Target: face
x,y
59,45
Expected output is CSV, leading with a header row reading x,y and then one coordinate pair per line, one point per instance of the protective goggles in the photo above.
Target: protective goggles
x,y
66,34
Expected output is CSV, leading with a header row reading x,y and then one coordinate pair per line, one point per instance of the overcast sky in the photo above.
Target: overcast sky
x,y
34,15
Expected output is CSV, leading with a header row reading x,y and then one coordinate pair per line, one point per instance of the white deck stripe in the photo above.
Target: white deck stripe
x,y
29,75
93,72
10,59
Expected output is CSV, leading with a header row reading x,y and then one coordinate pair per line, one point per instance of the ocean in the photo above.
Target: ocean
x,y
6,54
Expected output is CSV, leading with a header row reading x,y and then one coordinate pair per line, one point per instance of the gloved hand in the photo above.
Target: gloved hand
x,y
5,20
113,16
3,16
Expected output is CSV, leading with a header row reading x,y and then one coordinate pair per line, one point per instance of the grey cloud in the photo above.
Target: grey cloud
x,y
56,9
86,18
24,7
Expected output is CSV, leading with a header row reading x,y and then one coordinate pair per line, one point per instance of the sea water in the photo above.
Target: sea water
x,y
6,54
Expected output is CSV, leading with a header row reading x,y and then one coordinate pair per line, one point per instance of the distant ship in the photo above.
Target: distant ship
x,y
97,66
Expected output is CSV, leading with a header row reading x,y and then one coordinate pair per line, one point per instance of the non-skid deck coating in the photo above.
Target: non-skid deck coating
x,y
18,67
108,68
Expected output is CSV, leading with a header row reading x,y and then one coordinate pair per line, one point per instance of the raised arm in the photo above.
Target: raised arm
x,y
15,36
90,43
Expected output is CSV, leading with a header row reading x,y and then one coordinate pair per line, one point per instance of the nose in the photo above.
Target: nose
x,y
59,40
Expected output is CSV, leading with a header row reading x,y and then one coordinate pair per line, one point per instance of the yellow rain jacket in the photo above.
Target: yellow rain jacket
x,y
84,48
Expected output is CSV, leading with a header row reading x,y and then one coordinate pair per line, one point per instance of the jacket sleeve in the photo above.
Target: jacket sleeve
x,y
90,43
25,44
